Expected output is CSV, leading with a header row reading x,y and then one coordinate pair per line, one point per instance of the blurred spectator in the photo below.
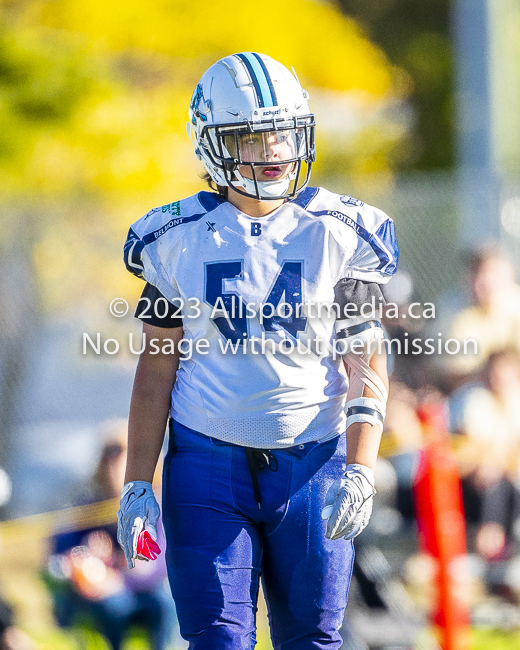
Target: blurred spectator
x,y
5,491
488,414
493,317
403,432
11,637
87,571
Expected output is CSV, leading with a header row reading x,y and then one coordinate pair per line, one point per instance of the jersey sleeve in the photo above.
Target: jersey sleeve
x,y
364,246
154,242
143,252
377,253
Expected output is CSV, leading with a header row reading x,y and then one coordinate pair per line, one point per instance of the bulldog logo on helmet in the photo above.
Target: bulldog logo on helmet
x,y
196,100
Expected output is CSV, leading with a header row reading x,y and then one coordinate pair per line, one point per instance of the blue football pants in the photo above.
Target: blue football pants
x,y
219,543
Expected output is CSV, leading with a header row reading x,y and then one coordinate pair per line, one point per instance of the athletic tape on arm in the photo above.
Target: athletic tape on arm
x,y
361,341
361,375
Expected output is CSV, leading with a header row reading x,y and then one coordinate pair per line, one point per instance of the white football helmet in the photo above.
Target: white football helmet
x,y
252,127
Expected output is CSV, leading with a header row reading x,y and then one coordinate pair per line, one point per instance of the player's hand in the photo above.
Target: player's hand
x,y
348,504
138,514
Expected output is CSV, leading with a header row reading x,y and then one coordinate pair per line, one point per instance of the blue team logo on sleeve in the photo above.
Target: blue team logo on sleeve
x,y
350,200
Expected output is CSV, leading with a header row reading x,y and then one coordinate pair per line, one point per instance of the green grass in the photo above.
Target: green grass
x,y
493,639
84,639
482,639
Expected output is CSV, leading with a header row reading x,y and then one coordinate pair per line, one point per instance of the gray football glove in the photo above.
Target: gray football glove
x,y
138,511
348,504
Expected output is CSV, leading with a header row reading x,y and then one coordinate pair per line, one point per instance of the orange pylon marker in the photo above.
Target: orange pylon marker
x,y
442,529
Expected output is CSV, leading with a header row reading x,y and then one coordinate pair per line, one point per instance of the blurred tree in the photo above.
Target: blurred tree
x,y
416,37
94,97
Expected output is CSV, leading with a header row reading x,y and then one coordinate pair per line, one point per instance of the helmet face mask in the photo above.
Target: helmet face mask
x,y
255,147
262,152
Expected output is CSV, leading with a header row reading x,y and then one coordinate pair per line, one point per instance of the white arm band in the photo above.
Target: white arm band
x,y
365,409
360,338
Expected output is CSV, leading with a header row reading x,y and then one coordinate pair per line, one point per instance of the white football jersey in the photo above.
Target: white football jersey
x,y
257,296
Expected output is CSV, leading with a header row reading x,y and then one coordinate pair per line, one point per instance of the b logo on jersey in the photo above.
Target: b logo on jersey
x,y
256,229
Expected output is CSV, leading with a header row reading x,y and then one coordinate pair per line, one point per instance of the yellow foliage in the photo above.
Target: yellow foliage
x,y
108,141
324,46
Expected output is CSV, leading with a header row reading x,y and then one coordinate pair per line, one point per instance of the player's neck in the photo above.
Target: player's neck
x,y
252,207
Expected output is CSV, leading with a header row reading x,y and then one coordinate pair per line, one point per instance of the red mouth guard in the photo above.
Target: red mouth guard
x,y
147,547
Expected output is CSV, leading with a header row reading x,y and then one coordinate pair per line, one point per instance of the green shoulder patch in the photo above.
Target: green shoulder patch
x,y
173,208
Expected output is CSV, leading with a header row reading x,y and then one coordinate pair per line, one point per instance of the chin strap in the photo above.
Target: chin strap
x,y
268,190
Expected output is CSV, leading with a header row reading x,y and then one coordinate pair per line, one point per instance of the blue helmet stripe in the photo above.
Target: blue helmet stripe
x,y
268,79
254,79
260,77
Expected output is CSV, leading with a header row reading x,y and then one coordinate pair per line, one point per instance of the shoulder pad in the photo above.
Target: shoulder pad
x,y
163,219
377,253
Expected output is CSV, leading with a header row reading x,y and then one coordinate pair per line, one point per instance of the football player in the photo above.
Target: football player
x,y
264,280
